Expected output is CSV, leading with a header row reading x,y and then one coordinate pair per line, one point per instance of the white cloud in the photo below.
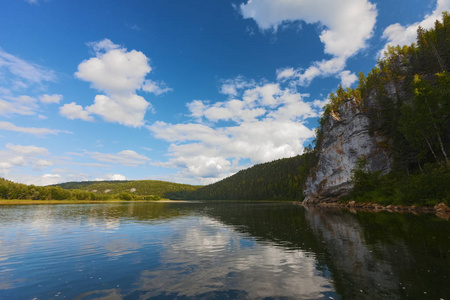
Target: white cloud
x,y
5,168
125,157
104,45
31,130
55,98
397,34
319,103
347,25
27,150
19,69
18,161
155,87
268,125
51,176
322,68
111,177
18,77
40,180
286,73
347,78
12,157
261,100
117,177
74,111
18,105
232,87
119,73
124,109
42,164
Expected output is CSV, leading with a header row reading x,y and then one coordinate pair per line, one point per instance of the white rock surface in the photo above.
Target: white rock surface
x,y
344,142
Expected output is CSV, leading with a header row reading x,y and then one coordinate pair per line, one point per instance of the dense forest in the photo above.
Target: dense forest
x,y
416,122
282,179
96,190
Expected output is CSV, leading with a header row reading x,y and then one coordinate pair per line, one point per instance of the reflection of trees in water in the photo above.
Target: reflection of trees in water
x,y
384,254
105,214
211,246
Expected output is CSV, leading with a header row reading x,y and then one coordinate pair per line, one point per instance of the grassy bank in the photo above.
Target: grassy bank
x,y
30,201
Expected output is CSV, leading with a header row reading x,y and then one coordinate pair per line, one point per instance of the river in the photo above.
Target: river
x,y
220,250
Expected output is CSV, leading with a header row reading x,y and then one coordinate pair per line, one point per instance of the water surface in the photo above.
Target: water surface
x,y
219,250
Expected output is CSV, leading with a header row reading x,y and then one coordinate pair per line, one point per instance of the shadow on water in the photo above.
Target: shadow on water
x,y
220,250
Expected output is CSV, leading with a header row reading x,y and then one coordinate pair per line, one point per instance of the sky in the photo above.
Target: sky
x,y
187,91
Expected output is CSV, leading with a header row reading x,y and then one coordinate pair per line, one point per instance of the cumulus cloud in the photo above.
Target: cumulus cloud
x,y
397,34
155,87
347,78
74,111
263,100
30,130
347,25
263,124
114,70
118,73
55,98
232,87
111,177
51,176
126,109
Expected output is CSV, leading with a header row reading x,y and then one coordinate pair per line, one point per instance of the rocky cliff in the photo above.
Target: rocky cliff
x,y
344,142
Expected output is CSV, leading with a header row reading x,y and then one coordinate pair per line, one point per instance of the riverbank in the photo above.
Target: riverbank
x,y
441,209
30,202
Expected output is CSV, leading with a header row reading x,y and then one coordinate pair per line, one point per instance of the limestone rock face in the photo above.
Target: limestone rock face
x,y
346,139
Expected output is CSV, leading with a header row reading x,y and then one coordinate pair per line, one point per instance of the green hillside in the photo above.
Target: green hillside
x,y
282,179
146,188
96,190
11,190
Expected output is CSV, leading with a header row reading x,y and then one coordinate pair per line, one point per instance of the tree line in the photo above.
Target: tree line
x,y
411,86
91,190
281,179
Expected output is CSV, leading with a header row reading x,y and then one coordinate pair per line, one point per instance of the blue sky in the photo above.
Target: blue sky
x,y
188,91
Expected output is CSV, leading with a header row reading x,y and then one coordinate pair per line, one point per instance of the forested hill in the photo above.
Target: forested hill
x,y
162,189
278,180
96,190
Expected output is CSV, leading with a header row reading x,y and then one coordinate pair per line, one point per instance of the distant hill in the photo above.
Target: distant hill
x,y
282,179
158,188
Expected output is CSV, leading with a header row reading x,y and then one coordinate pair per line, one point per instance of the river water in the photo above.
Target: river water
x,y
220,250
